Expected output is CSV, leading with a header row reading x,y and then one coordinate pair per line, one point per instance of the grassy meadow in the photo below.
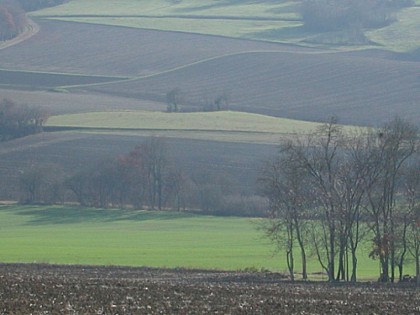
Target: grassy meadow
x,y
228,121
225,126
65,235
277,21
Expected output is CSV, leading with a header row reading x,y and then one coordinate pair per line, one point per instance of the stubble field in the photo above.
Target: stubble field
x,y
41,289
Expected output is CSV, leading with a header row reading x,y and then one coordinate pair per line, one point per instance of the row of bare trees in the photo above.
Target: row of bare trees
x,y
330,190
143,178
176,97
148,177
12,19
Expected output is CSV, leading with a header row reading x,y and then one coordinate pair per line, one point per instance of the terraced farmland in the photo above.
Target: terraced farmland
x,y
278,21
286,81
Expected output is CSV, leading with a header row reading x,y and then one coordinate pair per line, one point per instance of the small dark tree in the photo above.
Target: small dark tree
x,y
173,98
222,101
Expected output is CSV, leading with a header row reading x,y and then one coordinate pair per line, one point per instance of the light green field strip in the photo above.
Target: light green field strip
x,y
260,20
228,126
247,29
65,235
229,121
401,36
266,9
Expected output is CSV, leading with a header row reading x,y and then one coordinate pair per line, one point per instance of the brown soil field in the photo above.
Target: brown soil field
x,y
48,289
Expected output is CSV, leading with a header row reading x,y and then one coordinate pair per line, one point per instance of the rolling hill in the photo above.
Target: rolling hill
x,y
365,88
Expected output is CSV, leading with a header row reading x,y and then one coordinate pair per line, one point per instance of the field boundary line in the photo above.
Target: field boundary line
x,y
198,62
76,128
174,16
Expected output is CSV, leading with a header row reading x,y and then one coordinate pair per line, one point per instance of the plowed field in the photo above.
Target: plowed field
x,y
45,289
365,88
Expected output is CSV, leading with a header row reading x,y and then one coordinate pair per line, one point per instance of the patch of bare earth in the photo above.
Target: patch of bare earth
x,y
46,289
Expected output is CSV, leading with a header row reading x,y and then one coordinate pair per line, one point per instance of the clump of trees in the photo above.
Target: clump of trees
x,y
13,18
331,189
175,97
18,120
334,15
144,178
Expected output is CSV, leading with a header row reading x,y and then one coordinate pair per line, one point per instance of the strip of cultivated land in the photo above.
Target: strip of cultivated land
x,y
213,122
43,289
31,79
277,21
359,90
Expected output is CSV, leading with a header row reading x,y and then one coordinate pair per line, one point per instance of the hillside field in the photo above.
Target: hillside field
x,y
277,21
64,235
265,78
103,70
222,121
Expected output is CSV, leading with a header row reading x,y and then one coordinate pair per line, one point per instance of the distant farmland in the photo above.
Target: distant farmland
x,y
66,47
278,21
365,88
359,90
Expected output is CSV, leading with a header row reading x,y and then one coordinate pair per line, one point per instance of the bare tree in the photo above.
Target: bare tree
x,y
284,185
354,180
390,148
222,101
173,98
412,205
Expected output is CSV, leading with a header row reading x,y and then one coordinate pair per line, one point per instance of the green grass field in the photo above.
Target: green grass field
x,y
253,20
206,121
221,126
277,21
65,235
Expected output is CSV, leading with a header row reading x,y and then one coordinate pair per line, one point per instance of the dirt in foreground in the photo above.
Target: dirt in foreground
x,y
47,289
